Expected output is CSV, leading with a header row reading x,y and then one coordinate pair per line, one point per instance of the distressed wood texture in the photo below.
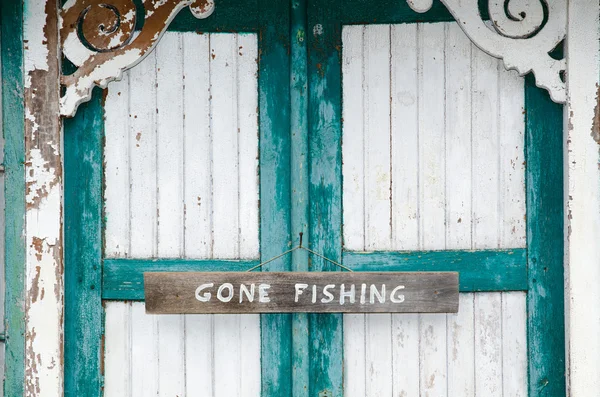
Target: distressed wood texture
x,y
303,292
44,294
11,49
433,149
181,182
582,197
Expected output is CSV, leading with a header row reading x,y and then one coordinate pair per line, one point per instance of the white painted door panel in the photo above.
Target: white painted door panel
x,y
433,159
182,182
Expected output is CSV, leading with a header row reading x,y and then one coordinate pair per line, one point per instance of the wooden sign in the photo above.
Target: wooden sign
x,y
313,292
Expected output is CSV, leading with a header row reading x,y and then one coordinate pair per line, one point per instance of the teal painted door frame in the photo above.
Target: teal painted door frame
x,y
301,191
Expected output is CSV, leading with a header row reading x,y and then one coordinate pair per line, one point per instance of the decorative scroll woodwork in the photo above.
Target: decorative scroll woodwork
x,y
521,32
101,39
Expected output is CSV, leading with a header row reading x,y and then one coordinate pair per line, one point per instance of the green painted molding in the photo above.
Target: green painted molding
x,y
479,271
123,279
13,122
275,186
325,186
545,239
84,314
299,180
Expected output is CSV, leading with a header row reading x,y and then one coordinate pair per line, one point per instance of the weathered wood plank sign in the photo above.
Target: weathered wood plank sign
x,y
314,292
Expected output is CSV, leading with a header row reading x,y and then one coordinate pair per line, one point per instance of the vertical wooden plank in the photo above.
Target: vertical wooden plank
x,y
431,135
299,182
144,352
169,146
461,349
405,194
247,56
225,145
458,138
545,305
44,267
377,193
143,205
225,168
353,196
581,143
353,147
460,328
169,208
116,169
511,129
405,354
197,148
275,190
83,143
514,344
378,355
405,137
117,351
354,356
376,140
488,344
197,202
486,216
142,139
198,354
432,328
325,189
11,32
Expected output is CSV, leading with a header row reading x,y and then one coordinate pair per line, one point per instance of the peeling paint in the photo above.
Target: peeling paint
x,y
108,44
43,198
596,123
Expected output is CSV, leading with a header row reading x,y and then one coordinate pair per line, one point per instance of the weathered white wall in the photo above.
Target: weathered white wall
x,y
433,159
582,198
181,182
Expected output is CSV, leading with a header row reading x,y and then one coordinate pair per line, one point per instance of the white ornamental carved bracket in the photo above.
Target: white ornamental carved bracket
x,y
100,38
522,33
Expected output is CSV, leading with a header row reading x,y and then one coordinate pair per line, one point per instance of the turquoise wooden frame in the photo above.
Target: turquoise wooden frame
x,y
300,147
542,276
13,122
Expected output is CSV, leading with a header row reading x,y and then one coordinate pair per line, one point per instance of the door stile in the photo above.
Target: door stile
x,y
299,187
275,189
84,314
545,295
324,38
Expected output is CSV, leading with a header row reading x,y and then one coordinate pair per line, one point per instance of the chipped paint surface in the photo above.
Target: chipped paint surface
x,y
43,217
105,46
582,220
596,124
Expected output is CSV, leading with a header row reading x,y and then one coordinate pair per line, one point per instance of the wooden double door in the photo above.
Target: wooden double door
x,y
385,137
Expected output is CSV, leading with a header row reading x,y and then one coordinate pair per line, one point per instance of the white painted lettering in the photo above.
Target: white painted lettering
x,y
375,292
327,293
249,294
227,298
299,289
263,294
399,298
363,293
206,296
314,294
350,294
